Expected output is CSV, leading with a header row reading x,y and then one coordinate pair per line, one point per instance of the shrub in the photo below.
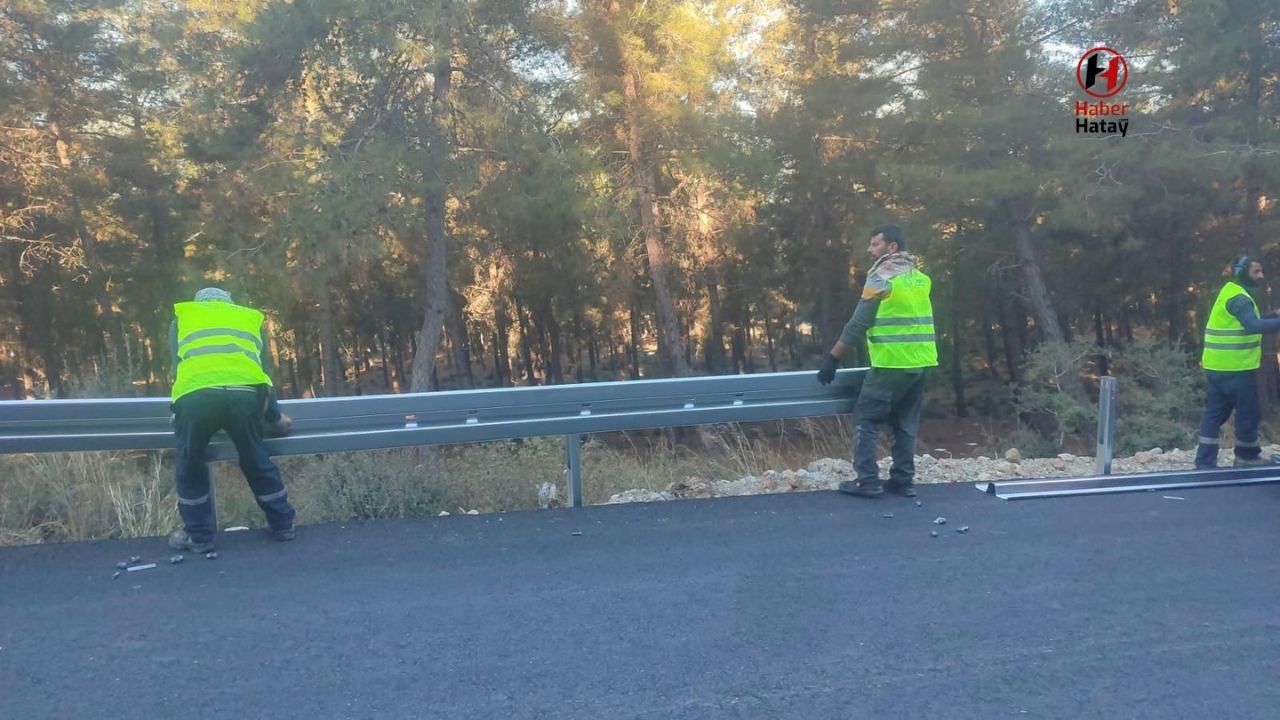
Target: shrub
x,y
1158,400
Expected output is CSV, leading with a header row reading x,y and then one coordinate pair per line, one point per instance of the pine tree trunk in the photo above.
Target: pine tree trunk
x,y
1009,321
397,351
386,364
633,343
526,345
989,340
459,341
957,352
713,338
435,269
644,186
770,344
330,364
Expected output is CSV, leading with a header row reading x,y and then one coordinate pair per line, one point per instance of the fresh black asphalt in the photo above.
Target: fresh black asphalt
x,y
809,605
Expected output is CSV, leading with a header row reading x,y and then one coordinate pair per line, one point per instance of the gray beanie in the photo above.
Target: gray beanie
x,y
213,294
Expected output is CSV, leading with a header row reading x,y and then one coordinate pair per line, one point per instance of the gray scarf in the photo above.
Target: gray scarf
x,y
892,265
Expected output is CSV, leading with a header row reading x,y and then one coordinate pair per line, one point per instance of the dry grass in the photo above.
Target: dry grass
x,y
80,496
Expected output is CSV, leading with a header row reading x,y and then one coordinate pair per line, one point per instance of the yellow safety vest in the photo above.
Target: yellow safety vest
x,y
1227,345
903,334
218,344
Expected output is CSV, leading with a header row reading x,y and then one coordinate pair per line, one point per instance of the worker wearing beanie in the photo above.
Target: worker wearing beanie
x,y
221,384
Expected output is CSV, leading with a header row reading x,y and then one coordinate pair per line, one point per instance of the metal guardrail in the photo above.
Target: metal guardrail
x,y
373,422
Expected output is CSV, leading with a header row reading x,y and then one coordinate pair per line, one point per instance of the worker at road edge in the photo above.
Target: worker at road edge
x,y
1231,358
895,315
222,384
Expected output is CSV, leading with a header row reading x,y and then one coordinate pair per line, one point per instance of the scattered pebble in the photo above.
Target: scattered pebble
x,y
933,533
116,575
940,521
962,529
919,504
122,565
176,559
211,556
576,533
135,560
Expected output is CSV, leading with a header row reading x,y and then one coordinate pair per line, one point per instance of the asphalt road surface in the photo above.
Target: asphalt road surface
x,y
809,605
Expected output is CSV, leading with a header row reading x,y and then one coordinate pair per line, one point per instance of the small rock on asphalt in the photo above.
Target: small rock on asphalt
x,y
933,533
919,504
176,559
135,560
122,565
116,575
962,529
940,521
576,533
211,556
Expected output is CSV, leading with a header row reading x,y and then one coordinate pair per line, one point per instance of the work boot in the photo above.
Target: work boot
x,y
905,489
180,540
279,427
1251,462
284,534
862,489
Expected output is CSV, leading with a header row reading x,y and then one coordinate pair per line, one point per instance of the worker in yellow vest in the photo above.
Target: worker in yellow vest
x,y
1231,358
895,315
222,384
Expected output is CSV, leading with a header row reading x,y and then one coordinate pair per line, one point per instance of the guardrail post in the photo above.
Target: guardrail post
x,y
573,468
1106,425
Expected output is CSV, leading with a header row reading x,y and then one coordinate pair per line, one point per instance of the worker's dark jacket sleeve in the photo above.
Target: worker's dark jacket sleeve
x,y
864,315
1242,309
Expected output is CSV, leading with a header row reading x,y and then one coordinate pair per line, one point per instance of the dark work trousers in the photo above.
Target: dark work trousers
x,y
273,408
238,411
893,396
1227,391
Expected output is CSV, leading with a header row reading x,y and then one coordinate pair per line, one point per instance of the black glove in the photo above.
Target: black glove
x,y
278,427
827,372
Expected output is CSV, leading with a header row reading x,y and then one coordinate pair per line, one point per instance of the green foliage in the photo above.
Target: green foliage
x,y
1043,400
1160,397
1160,394
364,486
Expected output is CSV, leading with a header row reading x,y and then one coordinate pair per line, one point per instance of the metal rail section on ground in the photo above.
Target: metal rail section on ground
x,y
1146,482
373,422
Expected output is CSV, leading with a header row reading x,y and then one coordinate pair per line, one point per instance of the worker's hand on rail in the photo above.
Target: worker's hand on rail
x,y
827,372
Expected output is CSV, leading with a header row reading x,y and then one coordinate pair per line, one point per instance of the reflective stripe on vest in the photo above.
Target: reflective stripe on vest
x,y
1228,347
903,334
219,344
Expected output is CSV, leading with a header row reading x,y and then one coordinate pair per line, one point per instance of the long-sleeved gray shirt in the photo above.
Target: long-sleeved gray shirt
x,y
864,314
1242,308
